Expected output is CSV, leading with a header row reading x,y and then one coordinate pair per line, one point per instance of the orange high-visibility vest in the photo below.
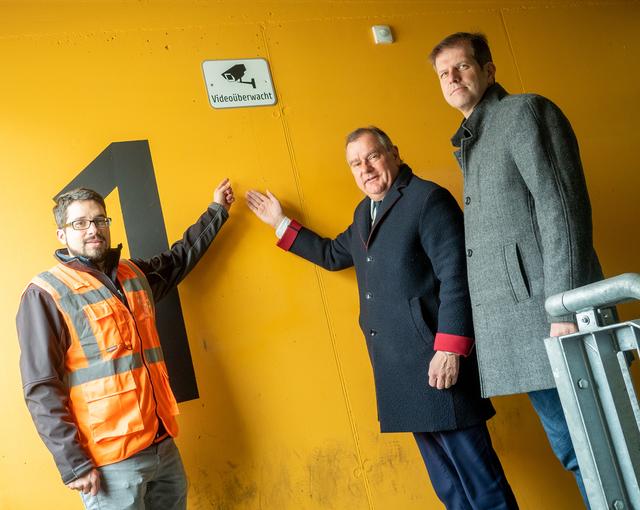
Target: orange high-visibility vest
x,y
118,382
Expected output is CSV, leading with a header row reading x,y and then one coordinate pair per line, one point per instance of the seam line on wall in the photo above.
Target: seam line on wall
x,y
511,50
323,295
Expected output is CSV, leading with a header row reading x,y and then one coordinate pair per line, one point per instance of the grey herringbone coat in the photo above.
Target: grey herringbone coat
x,y
528,232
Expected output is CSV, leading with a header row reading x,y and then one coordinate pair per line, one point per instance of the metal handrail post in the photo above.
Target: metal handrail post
x,y
591,373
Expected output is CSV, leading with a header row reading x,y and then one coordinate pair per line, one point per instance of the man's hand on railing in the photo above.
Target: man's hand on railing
x,y
563,328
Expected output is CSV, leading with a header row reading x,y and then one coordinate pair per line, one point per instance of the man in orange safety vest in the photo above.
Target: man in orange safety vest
x,y
92,367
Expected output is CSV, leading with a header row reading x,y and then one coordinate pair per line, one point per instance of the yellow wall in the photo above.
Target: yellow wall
x,y
286,417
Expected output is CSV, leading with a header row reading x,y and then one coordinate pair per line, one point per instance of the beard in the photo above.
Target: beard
x,y
96,253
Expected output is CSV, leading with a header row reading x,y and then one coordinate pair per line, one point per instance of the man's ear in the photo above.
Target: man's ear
x,y
62,236
396,154
491,72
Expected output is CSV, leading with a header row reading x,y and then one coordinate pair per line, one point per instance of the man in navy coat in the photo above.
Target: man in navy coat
x,y
406,243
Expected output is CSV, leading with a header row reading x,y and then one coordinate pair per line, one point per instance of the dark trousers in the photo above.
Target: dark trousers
x,y
464,469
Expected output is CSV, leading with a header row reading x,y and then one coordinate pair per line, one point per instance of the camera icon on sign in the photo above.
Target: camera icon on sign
x,y
235,74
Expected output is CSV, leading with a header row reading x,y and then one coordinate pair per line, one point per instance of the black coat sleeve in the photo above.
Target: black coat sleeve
x,y
442,237
331,254
166,270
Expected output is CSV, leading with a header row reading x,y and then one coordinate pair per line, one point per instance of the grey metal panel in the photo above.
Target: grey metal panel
x,y
591,370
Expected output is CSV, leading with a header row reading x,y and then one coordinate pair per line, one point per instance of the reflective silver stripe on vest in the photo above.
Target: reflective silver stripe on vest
x,y
154,355
73,305
133,285
105,369
114,366
139,283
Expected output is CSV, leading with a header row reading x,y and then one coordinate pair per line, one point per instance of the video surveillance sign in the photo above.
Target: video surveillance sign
x,y
237,83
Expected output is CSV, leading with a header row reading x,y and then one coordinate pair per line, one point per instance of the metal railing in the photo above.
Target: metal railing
x,y
591,370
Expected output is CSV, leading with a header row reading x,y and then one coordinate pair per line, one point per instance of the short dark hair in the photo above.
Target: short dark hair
x,y
382,137
64,200
476,40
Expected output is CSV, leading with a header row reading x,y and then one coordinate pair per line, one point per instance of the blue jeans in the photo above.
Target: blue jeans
x,y
549,409
464,469
153,479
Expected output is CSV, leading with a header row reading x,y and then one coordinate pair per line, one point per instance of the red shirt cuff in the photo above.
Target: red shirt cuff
x,y
289,235
453,343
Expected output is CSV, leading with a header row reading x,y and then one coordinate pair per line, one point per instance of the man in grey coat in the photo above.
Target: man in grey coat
x,y
528,230
406,243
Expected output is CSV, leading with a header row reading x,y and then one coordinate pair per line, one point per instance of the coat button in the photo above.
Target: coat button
x,y
469,252
372,332
369,258
467,200
368,295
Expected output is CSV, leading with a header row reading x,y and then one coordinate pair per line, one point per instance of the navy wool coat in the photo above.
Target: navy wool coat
x,y
411,272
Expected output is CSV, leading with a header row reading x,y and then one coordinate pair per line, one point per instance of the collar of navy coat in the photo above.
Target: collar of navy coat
x,y
471,127
366,230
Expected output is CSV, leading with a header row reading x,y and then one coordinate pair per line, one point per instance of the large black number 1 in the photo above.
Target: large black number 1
x,y
128,167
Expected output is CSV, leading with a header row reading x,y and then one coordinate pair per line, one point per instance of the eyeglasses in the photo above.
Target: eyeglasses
x,y
84,224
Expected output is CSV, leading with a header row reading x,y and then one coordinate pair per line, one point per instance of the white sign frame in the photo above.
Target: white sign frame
x,y
238,83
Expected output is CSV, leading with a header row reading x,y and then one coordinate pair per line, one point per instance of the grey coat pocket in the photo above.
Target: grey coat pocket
x,y
516,272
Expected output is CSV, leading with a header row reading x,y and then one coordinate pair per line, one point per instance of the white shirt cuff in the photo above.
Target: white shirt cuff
x,y
282,227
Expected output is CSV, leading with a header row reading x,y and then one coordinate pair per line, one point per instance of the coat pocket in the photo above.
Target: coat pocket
x,y
113,407
423,330
102,332
516,273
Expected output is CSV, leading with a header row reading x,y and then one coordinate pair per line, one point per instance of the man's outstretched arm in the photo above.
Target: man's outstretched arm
x,y
331,254
168,269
